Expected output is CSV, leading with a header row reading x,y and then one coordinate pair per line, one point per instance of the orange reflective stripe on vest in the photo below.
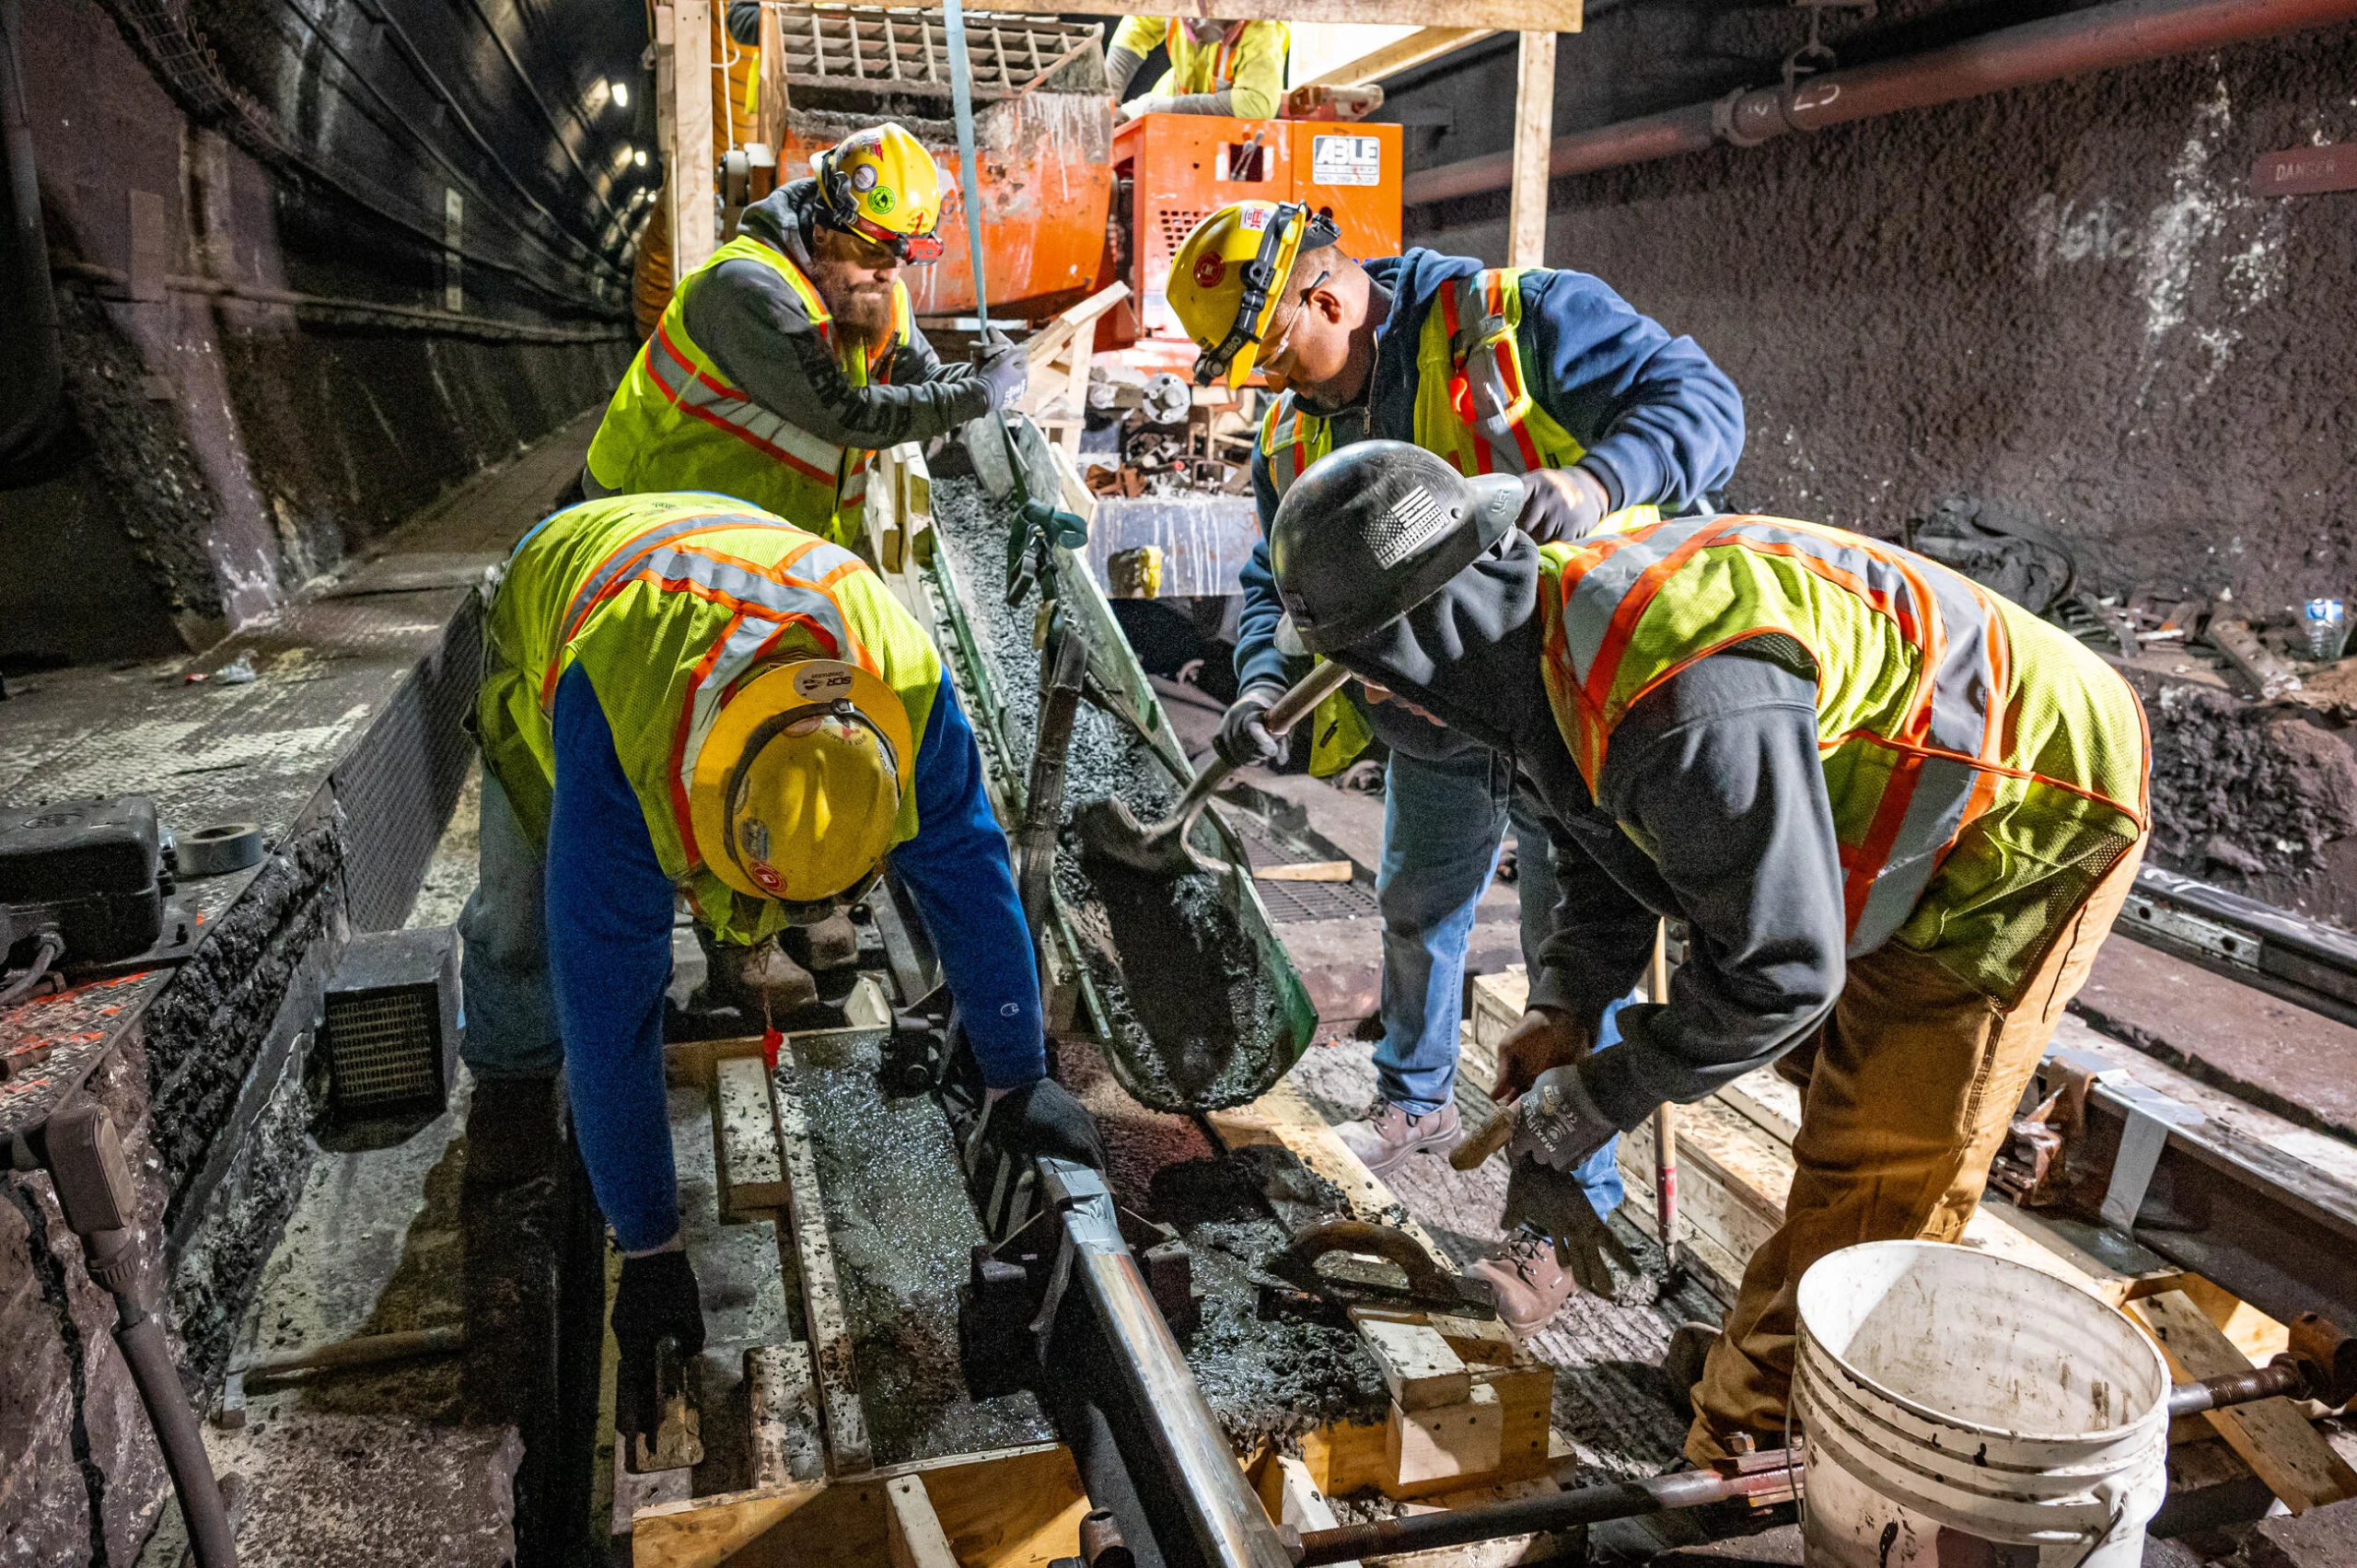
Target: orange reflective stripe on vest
x,y
1488,381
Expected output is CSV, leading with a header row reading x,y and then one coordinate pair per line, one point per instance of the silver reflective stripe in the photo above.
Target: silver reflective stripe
x,y
1964,688
740,414
1606,582
1487,384
628,550
1942,789
751,589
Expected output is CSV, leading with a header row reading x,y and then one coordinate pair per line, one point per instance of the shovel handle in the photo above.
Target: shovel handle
x,y
1486,1140
1302,695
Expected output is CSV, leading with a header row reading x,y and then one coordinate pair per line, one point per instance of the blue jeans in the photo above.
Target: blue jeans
x,y
1443,821
503,972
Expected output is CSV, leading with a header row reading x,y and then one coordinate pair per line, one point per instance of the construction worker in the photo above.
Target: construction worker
x,y
687,698
1897,813
791,356
1231,68
1539,373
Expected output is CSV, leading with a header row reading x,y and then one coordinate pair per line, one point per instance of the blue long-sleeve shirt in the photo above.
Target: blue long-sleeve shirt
x,y
609,912
1661,422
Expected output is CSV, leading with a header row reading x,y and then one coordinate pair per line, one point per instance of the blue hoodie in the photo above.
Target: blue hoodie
x,y
1660,422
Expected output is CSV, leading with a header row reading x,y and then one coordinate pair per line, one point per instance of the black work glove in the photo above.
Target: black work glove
x,y
1243,738
1042,1118
1004,368
1560,504
657,1300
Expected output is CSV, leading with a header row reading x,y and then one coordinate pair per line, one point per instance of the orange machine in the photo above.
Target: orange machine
x,y
1178,169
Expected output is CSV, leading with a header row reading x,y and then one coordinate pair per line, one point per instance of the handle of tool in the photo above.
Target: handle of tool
x,y
1665,1118
1487,1139
961,98
1283,714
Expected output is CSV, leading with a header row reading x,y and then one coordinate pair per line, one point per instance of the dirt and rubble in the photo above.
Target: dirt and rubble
x,y
2243,788
1198,1022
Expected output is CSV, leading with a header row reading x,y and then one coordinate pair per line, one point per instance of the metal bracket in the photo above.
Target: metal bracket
x,y
2141,1141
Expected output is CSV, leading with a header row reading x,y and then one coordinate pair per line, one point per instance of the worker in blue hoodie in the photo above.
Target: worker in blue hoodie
x,y
1539,372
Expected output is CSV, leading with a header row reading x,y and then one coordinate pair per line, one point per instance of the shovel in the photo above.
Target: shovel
x,y
1111,830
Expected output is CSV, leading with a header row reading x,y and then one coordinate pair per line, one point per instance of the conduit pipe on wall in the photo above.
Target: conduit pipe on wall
x,y
35,384
2099,39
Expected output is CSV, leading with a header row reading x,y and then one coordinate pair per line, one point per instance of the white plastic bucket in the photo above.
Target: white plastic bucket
x,y
1962,1411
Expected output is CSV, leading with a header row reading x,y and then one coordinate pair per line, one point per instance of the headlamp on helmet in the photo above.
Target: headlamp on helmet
x,y
881,185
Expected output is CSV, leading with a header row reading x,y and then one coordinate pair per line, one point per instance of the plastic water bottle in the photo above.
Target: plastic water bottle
x,y
2327,628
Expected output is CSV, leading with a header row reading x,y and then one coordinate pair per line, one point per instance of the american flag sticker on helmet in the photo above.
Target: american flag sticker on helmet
x,y
1405,527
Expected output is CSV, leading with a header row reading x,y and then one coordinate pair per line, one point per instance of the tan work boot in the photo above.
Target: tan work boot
x,y
1530,1285
1387,1135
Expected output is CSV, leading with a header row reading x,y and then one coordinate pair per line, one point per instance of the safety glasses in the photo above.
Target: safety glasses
x,y
917,250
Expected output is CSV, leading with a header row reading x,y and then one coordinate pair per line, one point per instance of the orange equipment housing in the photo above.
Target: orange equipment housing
x,y
1182,168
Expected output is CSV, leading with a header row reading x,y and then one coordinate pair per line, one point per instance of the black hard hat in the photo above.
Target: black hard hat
x,y
1370,532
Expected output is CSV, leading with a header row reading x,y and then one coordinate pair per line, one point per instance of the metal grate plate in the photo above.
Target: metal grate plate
x,y
908,50
383,1048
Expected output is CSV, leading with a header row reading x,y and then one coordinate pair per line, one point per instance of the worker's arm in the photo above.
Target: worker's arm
x,y
1136,38
610,958
1256,658
1717,771
755,328
745,21
1256,91
957,867
1661,424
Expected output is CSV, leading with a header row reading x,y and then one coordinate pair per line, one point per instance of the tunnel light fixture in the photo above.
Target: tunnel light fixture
x,y
638,156
621,94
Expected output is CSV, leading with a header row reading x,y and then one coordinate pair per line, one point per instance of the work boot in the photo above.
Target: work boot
x,y
828,951
1530,1285
1682,1365
743,978
1387,1135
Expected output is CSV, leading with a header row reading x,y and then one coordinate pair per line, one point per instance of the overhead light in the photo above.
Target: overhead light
x,y
621,95
638,156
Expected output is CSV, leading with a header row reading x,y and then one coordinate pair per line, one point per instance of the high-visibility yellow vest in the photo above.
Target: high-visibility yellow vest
x,y
1473,407
675,422
668,600
1984,768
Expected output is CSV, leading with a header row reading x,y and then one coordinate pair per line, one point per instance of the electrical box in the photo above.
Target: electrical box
x,y
92,869
1180,168
391,1024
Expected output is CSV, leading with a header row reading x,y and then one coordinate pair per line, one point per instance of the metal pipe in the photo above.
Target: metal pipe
x,y
2282,1378
1533,1516
2098,39
40,374
1229,1525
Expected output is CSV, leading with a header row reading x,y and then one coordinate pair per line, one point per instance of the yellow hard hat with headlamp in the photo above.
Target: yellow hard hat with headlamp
x,y
882,185
1228,274
798,785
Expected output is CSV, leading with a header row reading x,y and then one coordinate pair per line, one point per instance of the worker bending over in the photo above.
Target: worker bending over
x,y
1231,68
783,361
1539,373
686,698
1897,812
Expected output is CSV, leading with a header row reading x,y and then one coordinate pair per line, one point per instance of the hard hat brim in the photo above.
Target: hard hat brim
x,y
803,683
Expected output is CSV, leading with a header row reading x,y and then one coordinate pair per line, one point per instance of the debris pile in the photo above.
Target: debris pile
x,y
1169,439
2245,787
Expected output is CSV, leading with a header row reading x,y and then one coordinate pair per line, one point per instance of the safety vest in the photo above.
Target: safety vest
x,y
668,600
1198,68
676,424
1941,707
1473,407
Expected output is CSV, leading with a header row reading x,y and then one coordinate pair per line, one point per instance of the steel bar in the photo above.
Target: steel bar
x,y
2278,1379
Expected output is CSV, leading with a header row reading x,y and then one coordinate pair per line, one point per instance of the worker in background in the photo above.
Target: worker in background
x,y
1231,68
1540,373
1897,812
790,356
688,699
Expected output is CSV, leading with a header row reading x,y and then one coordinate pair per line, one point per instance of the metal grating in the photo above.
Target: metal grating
x,y
907,51
398,785
1173,224
1291,903
384,1047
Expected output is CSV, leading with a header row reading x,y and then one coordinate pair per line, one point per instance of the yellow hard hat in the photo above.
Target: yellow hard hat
x,y
882,185
799,783
1225,280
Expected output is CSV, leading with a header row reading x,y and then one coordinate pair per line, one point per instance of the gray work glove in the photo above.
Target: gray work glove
x,y
1561,503
1556,1123
1243,738
1004,369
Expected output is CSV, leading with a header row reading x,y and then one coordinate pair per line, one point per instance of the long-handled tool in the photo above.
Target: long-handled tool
x,y
1109,829
1043,804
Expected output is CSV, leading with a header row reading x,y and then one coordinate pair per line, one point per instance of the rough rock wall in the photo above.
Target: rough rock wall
x,y
2063,302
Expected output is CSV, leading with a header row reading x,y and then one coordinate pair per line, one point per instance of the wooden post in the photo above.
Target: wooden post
x,y
1534,130
1664,1117
771,128
688,175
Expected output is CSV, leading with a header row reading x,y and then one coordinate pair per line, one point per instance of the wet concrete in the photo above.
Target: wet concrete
x,y
1195,1021
904,1233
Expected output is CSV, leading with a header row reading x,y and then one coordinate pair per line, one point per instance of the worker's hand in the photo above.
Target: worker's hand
x,y
1556,1123
1153,103
1547,1037
1004,368
655,1301
1243,738
1560,504
1042,1118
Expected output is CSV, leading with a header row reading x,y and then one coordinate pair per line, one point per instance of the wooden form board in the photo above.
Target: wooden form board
x,y
1401,55
1008,1508
1421,1369
1060,355
744,1129
1496,15
2273,1436
1534,131
849,1451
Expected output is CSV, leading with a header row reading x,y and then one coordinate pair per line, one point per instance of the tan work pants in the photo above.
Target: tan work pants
x,y
1905,1093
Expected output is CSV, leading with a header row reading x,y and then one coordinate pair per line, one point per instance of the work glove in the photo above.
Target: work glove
x,y
657,1300
1555,1202
1243,738
1153,103
1557,1124
1561,503
1004,369
1042,1118
1546,1037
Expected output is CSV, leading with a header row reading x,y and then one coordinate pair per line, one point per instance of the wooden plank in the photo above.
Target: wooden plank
x,y
913,1534
688,167
1452,1444
1498,15
2268,676
2273,1436
752,1169
1305,871
849,1451
1401,55
769,125
1419,1367
784,1398
1049,341
1534,131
